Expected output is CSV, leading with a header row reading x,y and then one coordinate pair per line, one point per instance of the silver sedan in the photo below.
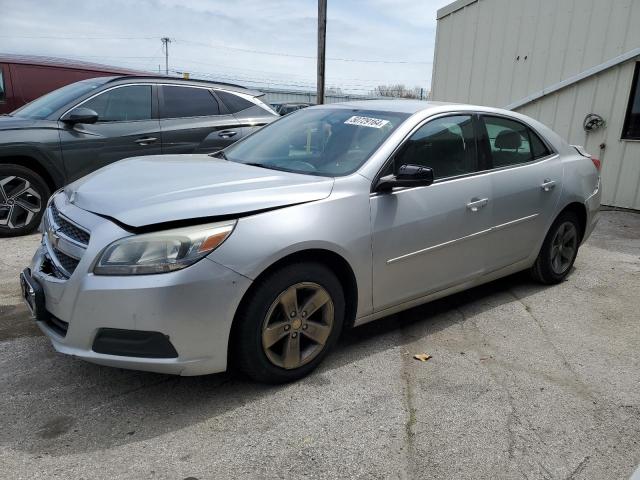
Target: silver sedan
x,y
261,254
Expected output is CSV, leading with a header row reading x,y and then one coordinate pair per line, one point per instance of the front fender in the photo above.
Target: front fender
x,y
338,224
46,156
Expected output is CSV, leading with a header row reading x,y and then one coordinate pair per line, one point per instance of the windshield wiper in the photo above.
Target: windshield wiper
x,y
261,165
219,154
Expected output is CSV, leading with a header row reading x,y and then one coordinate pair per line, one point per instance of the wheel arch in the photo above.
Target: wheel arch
x,y
580,210
338,265
53,181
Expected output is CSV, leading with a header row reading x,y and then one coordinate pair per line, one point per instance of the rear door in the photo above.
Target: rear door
x,y
127,126
526,179
251,112
193,120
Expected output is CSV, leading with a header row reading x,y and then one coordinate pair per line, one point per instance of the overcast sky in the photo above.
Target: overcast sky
x,y
254,42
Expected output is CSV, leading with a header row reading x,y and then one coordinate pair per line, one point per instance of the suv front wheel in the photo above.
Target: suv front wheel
x,y
23,196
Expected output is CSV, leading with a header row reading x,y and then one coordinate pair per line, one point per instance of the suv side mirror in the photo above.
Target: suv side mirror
x,y
80,115
408,176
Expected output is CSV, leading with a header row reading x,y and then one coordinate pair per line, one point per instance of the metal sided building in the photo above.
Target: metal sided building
x,y
572,64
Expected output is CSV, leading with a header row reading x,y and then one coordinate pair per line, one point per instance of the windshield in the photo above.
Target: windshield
x,y
317,141
44,106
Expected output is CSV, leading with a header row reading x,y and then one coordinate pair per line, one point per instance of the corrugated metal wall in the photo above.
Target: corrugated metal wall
x,y
496,52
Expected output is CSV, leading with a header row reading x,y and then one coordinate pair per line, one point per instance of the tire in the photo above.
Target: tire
x,y
23,197
262,320
565,230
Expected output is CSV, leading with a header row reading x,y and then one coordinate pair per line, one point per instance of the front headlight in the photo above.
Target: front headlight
x,y
161,252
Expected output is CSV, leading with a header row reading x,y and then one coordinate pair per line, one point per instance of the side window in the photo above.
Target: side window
x,y
2,90
538,149
446,144
631,129
512,142
233,102
122,104
188,102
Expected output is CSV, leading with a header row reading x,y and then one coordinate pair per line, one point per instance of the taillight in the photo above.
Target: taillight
x,y
596,162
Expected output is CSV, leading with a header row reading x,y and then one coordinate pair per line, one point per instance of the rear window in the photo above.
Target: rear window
x,y
512,143
234,102
188,102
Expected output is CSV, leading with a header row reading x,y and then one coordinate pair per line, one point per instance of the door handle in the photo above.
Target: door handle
x,y
146,140
548,185
227,133
477,203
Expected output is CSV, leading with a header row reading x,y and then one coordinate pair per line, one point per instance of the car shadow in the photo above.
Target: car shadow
x,y
56,405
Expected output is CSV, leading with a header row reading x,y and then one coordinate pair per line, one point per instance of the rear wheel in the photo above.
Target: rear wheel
x,y
559,250
23,196
291,321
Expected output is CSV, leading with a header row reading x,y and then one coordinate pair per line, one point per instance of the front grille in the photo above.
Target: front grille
x,y
68,228
50,268
66,243
67,262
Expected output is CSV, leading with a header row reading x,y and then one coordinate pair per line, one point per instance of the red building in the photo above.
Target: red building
x,y
25,78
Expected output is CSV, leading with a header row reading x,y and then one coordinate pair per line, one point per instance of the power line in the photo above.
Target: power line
x,y
309,57
55,37
227,47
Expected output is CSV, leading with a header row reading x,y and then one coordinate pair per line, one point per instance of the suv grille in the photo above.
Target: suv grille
x,y
68,228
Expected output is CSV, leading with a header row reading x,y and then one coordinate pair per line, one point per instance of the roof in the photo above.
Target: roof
x,y
396,105
195,82
453,7
65,63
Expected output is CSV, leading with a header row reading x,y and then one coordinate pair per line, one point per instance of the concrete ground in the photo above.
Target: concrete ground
x,y
525,381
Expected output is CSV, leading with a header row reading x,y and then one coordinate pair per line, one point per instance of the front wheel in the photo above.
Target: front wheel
x,y
559,250
292,319
23,196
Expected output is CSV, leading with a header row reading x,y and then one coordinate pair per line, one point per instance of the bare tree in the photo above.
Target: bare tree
x,y
398,90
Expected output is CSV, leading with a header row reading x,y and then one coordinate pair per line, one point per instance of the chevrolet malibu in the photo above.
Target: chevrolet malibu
x,y
260,255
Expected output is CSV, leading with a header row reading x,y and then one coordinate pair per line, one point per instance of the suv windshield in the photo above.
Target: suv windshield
x,y
44,106
318,141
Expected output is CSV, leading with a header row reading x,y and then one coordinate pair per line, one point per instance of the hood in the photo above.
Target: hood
x,y
165,188
15,123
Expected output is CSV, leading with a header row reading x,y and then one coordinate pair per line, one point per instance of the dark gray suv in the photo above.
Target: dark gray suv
x,y
86,125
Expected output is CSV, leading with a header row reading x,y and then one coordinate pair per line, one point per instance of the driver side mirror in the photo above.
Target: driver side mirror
x,y
408,176
80,115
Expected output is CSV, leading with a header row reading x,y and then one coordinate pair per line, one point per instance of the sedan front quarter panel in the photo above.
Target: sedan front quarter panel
x,y
261,240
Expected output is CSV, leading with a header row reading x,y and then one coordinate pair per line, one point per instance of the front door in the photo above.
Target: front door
x,y
427,239
126,127
526,180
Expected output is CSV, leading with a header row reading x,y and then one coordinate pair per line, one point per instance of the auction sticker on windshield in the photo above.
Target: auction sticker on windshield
x,y
366,122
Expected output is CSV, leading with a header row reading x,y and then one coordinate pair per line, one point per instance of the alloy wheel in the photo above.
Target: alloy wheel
x,y
297,325
563,247
19,202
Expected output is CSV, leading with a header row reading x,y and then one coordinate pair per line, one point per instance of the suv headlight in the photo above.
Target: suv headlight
x,y
161,252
